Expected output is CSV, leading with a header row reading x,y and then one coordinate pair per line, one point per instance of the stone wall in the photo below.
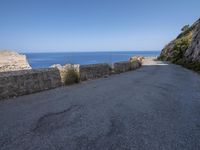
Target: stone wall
x,y
67,72
136,64
17,83
125,66
93,71
122,66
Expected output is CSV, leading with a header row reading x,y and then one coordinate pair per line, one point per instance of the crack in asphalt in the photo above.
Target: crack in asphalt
x,y
45,124
53,121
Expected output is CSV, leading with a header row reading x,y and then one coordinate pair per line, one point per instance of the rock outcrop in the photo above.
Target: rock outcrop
x,y
185,49
12,61
193,51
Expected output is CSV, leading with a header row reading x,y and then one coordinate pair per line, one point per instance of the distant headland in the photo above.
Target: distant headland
x,y
12,61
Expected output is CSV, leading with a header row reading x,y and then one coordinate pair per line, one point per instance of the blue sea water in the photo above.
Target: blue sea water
x,y
44,60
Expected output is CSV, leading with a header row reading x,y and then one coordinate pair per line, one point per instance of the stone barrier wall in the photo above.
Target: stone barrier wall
x,y
23,82
135,65
16,83
125,66
93,71
122,66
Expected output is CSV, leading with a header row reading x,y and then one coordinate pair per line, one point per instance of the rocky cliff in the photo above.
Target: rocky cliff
x,y
185,49
193,51
12,61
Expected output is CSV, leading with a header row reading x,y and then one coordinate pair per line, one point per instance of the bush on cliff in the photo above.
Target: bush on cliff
x,y
176,49
180,46
71,77
185,28
184,50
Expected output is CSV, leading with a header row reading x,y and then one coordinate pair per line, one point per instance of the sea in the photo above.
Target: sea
x,y
45,60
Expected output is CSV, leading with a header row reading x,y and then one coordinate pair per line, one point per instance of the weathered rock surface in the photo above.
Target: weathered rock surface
x,y
12,61
186,47
193,51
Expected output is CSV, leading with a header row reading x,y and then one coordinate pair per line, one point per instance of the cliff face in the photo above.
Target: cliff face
x,y
185,49
12,61
193,52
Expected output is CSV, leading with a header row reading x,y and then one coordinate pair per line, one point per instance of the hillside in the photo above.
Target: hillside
x,y
185,49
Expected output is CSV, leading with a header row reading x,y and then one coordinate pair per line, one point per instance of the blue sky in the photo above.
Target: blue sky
x,y
92,25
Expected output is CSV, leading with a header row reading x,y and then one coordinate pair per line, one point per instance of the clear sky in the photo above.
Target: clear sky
x,y
92,25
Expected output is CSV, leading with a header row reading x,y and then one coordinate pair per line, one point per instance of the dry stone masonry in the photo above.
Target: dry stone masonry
x,y
94,71
23,82
125,66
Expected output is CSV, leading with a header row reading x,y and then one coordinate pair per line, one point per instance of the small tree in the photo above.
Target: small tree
x,y
186,27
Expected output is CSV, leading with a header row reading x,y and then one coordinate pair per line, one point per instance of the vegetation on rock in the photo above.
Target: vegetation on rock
x,y
186,27
180,46
177,50
71,77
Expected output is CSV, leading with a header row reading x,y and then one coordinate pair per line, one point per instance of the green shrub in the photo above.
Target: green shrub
x,y
71,77
186,32
133,62
185,28
161,57
180,46
192,65
189,64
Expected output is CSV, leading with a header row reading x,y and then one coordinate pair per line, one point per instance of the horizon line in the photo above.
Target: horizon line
x,y
89,51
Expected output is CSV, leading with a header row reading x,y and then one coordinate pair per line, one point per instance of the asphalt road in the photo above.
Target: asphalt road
x,y
156,107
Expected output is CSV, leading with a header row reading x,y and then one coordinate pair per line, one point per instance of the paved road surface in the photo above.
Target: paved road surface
x,y
156,107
